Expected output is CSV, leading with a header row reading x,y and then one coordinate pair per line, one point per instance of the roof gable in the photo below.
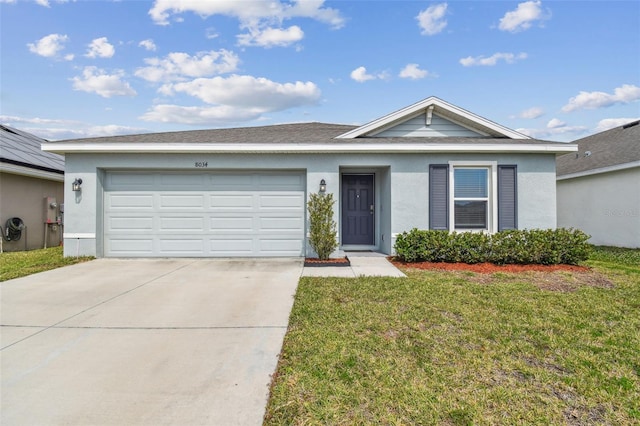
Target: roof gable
x,y
435,112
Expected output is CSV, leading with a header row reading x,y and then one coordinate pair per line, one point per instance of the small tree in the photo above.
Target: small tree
x,y
322,227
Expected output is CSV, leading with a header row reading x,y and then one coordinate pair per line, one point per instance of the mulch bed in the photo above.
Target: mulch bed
x,y
561,278
488,268
314,261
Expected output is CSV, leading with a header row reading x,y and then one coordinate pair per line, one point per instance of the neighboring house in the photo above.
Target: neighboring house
x,y
599,187
243,191
31,181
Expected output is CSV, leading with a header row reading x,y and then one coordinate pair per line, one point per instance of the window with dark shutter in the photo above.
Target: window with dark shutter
x,y
507,198
439,196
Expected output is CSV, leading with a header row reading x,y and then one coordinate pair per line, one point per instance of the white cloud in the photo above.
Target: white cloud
x,y
48,46
492,60
207,115
431,20
592,100
232,99
360,75
100,48
55,129
148,44
533,112
522,18
269,37
177,66
250,92
555,129
610,123
554,123
250,14
413,72
95,80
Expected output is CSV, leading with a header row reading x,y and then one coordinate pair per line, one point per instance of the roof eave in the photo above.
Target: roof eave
x,y
163,148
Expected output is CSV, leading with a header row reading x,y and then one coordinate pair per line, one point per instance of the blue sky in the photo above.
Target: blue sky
x,y
556,70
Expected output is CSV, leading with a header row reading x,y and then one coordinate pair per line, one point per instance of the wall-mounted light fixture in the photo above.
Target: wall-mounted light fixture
x,y
323,186
76,184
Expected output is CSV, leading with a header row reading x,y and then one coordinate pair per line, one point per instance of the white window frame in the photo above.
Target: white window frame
x,y
492,204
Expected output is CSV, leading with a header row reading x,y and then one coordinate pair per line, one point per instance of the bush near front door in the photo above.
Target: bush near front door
x,y
322,227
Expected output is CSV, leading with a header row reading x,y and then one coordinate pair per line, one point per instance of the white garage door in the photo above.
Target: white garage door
x,y
214,214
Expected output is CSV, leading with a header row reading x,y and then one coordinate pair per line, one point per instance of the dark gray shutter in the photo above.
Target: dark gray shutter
x,y
507,197
439,196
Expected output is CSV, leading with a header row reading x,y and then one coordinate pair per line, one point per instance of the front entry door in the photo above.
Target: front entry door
x,y
357,210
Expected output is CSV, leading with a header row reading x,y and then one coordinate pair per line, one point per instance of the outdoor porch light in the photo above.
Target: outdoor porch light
x,y
76,184
323,186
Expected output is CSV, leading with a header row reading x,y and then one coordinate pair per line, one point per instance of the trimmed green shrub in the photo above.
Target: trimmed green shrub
x,y
535,246
322,227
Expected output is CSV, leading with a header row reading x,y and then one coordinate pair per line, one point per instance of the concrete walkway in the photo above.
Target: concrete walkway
x,y
368,264
144,342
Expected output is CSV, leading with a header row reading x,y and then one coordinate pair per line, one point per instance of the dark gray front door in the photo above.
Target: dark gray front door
x,y
357,210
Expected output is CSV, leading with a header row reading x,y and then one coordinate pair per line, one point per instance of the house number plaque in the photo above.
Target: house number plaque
x,y
201,164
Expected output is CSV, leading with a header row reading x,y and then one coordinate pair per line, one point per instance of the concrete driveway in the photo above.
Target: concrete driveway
x,y
144,342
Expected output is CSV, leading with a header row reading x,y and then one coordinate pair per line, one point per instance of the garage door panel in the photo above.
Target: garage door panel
x,y
181,246
281,223
218,214
130,246
130,201
231,202
231,224
281,182
182,224
182,201
232,247
280,247
129,223
130,180
183,182
280,201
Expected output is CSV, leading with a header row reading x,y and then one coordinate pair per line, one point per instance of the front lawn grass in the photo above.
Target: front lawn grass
x,y
444,348
22,263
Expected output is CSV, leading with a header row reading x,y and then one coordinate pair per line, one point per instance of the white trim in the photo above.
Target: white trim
x,y
492,220
79,235
608,169
163,148
411,109
28,171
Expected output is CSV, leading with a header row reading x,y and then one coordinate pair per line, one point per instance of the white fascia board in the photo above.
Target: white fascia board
x,y
615,168
34,173
157,148
411,109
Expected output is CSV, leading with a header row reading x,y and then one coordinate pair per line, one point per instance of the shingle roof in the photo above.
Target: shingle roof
x,y
618,146
299,133
24,149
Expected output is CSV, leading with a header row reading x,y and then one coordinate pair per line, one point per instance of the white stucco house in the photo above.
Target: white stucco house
x,y
242,192
599,187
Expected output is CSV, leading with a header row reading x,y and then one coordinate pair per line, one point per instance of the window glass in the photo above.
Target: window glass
x,y
470,183
470,214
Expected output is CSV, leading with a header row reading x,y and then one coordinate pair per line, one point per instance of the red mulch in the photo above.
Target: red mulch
x,y
488,268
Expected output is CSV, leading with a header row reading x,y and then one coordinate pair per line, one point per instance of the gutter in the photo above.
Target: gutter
x,y
288,148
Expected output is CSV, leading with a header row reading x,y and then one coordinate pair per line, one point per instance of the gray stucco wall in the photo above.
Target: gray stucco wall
x,y
605,206
401,186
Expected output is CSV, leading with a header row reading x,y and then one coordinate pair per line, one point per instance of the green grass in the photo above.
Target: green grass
x,y
443,348
22,263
